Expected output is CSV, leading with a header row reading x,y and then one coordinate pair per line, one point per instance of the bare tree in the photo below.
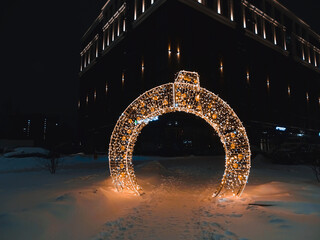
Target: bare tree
x,y
52,162
316,168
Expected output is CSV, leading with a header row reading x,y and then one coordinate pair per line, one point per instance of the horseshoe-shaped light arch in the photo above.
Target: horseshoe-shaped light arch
x,y
184,95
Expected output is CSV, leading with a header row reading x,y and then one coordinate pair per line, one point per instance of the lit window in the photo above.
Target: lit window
x,y
108,41
284,41
118,30
243,16
103,40
231,10
135,10
97,48
112,38
142,66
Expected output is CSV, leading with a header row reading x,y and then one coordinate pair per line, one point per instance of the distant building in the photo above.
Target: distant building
x,y
257,55
40,129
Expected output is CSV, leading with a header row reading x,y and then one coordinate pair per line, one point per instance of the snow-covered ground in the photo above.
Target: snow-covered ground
x,y
79,202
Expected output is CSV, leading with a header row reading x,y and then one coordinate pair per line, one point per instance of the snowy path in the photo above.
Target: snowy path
x,y
280,202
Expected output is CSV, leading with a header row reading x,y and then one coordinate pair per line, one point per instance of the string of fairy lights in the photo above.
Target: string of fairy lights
x,y
184,95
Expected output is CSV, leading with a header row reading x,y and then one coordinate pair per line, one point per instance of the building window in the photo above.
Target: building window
x,y
142,66
143,6
122,79
135,10
244,17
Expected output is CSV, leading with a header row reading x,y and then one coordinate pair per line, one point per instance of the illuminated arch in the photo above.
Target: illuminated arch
x,y
184,95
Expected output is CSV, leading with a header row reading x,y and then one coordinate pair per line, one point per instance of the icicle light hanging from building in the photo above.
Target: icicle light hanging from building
x,y
184,95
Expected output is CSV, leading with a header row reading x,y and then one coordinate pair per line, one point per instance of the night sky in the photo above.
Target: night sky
x,y
40,46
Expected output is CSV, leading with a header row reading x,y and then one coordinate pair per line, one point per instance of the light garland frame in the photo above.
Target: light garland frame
x,y
184,95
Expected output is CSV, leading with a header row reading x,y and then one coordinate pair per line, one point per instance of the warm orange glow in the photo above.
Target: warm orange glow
x,y
142,66
309,57
118,28
221,66
244,17
289,91
135,10
255,25
184,95
231,10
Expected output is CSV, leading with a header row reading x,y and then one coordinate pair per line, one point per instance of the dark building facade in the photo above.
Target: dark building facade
x,y
255,54
42,130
